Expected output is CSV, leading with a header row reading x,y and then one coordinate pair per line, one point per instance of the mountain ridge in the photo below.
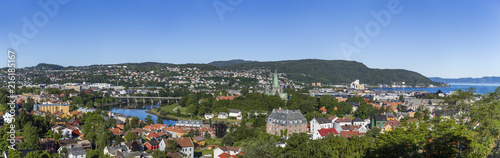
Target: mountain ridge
x,y
304,70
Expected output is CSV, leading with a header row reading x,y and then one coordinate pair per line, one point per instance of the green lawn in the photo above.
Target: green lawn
x,y
213,141
211,152
170,108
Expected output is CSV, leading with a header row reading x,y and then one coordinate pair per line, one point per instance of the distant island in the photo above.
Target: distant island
x,y
485,80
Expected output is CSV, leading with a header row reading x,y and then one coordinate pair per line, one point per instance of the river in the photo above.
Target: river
x,y
480,88
141,113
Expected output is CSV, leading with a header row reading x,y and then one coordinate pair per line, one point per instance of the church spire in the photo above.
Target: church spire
x,y
276,83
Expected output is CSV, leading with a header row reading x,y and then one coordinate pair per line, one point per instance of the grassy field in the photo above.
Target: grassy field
x,y
213,141
211,152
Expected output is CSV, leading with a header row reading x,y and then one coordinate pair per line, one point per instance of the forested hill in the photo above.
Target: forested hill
x,y
337,72
307,70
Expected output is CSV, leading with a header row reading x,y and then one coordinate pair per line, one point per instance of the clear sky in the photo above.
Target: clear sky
x,y
448,38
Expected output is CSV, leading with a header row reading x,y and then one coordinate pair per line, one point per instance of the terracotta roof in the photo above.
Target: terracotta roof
x,y
154,135
351,127
348,120
155,126
67,141
225,97
393,123
327,131
116,131
226,155
348,134
173,155
332,117
183,142
47,140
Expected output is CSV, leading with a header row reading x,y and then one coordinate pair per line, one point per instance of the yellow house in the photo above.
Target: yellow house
x,y
386,128
65,115
199,140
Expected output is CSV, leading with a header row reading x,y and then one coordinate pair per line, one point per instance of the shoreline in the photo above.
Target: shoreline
x,y
182,118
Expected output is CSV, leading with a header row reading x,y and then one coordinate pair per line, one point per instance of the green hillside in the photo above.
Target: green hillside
x,y
337,72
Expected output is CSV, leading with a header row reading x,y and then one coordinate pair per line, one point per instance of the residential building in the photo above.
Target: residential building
x,y
185,144
189,123
291,121
222,115
112,150
235,113
226,151
48,144
74,151
321,133
209,116
319,123
358,121
151,145
199,141
133,146
378,121
51,108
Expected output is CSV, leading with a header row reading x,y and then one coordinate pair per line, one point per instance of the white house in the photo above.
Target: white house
x,y
222,115
186,144
234,112
189,123
341,122
319,123
321,133
359,121
209,116
74,151
111,150
225,151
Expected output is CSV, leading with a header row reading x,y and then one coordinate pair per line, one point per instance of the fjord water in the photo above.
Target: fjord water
x,y
141,113
480,88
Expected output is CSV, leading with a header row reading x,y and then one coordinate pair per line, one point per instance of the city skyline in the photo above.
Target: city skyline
x,y
436,39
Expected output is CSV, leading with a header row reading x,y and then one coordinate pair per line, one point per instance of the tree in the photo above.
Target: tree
x,y
159,120
131,136
206,135
192,109
149,120
15,154
364,111
134,123
172,146
227,140
220,129
159,154
401,98
64,152
118,140
260,148
30,137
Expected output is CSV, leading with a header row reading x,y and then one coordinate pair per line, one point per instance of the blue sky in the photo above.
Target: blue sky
x,y
459,38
